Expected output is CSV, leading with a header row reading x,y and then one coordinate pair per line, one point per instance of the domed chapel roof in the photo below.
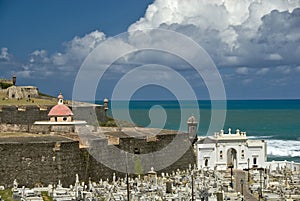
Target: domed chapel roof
x,y
60,109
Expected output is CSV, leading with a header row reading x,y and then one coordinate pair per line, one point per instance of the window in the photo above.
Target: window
x,y
55,118
136,151
243,154
206,163
254,161
65,118
221,154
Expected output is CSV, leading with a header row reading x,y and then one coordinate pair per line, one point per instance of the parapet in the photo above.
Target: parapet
x,y
229,135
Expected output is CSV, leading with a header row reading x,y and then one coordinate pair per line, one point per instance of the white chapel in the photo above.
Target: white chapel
x,y
234,150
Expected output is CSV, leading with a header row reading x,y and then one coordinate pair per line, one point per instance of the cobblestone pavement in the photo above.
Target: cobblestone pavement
x,y
238,186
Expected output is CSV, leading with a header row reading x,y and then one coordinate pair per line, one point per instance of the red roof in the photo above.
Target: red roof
x,y
60,110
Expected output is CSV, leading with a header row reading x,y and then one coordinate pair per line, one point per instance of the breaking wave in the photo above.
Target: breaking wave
x,y
288,148
260,137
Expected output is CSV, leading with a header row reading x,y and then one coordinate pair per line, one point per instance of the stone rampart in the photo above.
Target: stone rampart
x,y
47,159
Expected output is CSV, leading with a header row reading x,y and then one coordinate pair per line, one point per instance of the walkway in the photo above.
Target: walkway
x,y
241,175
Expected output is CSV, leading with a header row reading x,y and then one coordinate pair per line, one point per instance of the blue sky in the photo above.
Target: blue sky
x,y
255,45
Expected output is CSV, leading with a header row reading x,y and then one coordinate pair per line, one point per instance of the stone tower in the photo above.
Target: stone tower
x,y
192,126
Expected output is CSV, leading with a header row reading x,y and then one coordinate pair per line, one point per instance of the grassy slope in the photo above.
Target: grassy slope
x,y
44,100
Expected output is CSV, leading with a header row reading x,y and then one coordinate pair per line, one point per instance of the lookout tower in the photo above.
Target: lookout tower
x,y
192,125
105,103
14,79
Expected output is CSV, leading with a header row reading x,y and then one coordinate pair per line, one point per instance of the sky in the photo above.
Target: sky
x,y
249,47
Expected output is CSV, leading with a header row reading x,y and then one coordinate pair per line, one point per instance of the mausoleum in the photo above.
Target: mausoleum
x,y
235,150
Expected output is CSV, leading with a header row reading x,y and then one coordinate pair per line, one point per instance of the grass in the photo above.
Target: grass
x,y
31,101
6,195
46,197
26,101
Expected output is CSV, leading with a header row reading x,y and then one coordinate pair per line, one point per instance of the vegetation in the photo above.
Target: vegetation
x,y
25,101
138,169
43,95
46,197
109,123
6,195
4,85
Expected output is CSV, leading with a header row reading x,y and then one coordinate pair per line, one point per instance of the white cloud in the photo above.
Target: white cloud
x,y
80,47
298,69
247,81
283,69
263,71
4,55
234,33
274,57
242,70
39,56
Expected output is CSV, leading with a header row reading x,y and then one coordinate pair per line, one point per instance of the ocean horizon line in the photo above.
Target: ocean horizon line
x,y
157,100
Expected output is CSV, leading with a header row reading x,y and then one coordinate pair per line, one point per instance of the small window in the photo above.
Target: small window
x,y
206,163
136,151
254,160
243,154
65,118
221,154
13,95
55,118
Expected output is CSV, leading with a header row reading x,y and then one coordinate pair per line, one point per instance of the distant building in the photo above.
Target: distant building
x,y
233,149
20,92
60,112
60,119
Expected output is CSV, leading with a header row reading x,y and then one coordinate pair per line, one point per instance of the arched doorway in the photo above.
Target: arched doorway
x,y
231,157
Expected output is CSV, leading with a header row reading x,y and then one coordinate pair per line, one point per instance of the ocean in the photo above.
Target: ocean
x,y
276,121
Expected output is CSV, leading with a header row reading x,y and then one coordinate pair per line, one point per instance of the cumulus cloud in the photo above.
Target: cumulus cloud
x,y
39,56
4,55
78,48
262,71
242,70
234,33
283,69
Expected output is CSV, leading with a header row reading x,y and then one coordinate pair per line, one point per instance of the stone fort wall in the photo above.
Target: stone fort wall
x,y
45,162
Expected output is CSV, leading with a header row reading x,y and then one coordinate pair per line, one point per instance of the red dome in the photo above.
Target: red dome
x,y
60,110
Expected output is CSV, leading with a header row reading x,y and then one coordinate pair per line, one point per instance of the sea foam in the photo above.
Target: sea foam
x,y
283,148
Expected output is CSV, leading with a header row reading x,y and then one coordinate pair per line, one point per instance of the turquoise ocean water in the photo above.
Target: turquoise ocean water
x,y
276,121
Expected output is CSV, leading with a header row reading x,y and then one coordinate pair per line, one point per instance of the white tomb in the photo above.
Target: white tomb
x,y
222,151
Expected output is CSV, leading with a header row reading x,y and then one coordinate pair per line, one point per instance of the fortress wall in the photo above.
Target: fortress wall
x,y
47,162
137,164
26,115
39,163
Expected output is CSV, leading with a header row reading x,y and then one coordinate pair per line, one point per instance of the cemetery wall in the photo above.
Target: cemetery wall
x,y
44,161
